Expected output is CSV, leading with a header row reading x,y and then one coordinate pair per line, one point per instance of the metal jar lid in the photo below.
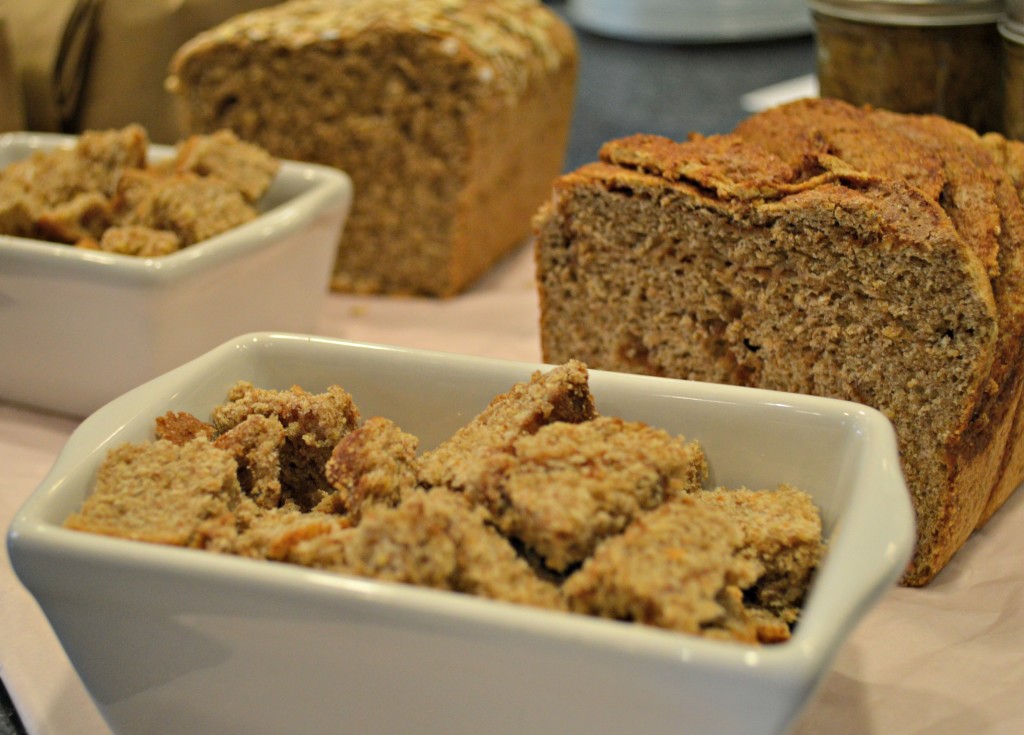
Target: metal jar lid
x,y
1011,25
913,12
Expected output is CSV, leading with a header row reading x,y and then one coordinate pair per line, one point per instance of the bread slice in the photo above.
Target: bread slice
x,y
977,193
451,116
1009,155
717,260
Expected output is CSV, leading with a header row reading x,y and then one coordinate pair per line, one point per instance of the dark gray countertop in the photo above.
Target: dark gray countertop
x,y
626,87
9,722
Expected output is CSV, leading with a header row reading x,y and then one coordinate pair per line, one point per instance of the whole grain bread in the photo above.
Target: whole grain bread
x,y
181,495
563,489
707,563
819,248
451,116
311,425
560,395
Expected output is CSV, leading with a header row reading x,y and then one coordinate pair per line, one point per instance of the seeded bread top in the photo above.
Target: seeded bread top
x,y
507,39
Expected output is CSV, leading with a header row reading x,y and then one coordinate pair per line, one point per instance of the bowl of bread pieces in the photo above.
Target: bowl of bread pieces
x,y
295,533
120,259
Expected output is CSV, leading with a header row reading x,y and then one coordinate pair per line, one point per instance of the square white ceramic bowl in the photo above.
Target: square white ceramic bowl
x,y
169,640
81,327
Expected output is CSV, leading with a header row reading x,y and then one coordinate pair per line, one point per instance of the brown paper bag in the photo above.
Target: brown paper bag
x,y
95,64
34,30
12,103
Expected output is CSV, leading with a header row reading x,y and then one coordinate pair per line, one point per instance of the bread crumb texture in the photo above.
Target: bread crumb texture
x,y
538,500
819,248
103,194
451,117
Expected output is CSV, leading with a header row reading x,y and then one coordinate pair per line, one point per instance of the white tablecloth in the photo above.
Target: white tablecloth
x,y
944,660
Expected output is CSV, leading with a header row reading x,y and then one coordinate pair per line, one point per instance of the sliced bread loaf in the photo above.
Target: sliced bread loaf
x,y
819,249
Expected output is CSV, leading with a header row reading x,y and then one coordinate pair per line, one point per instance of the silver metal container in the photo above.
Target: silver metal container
x,y
1011,28
918,56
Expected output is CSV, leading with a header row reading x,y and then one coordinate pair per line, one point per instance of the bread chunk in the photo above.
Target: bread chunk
x,y
145,242
451,117
84,217
810,252
561,394
274,534
677,567
163,493
562,490
95,165
256,443
104,156
781,535
181,427
374,464
193,207
313,425
432,539
247,168
19,208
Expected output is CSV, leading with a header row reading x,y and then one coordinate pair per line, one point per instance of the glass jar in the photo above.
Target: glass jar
x,y
1012,29
942,57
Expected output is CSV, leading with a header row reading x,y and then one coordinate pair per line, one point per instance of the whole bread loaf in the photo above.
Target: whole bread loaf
x,y
819,248
451,116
